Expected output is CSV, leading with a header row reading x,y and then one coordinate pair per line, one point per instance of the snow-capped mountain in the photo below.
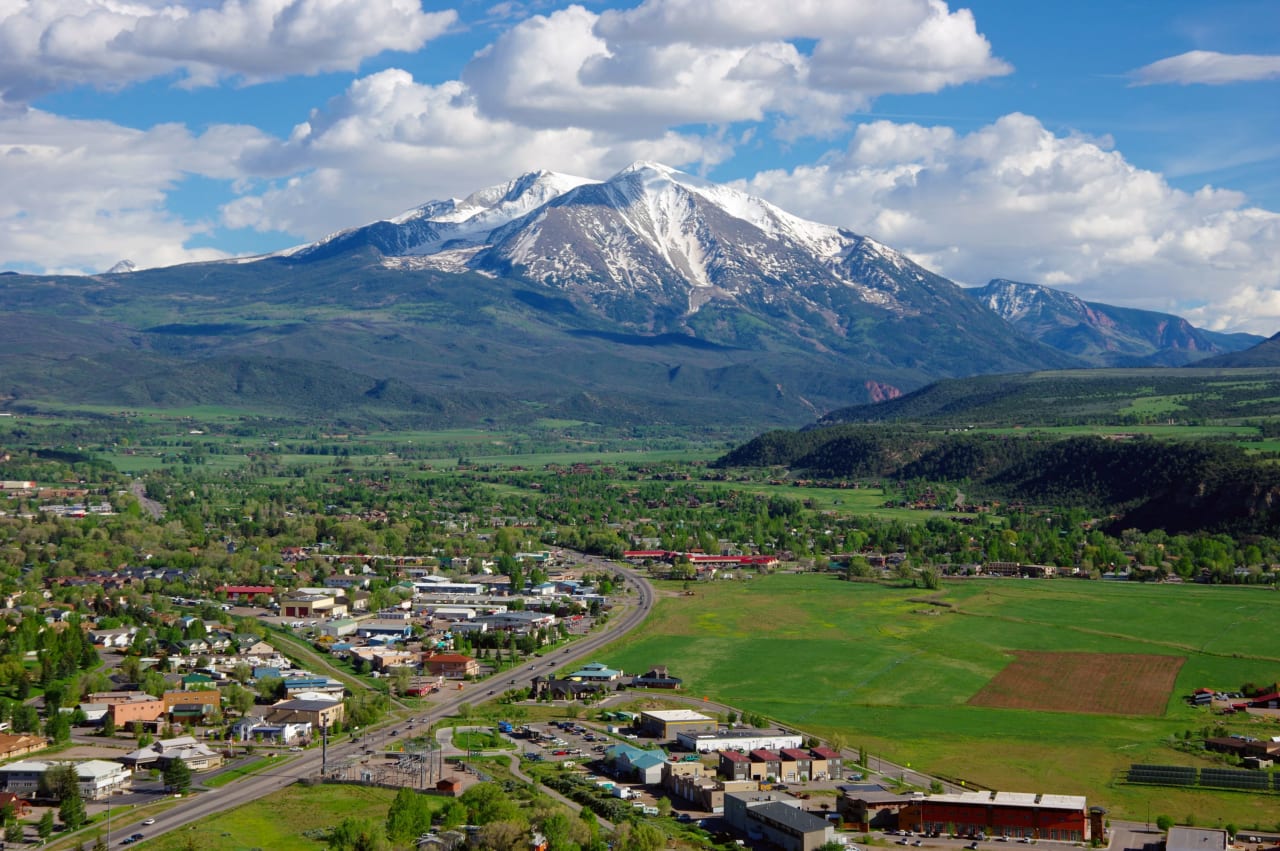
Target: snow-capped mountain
x,y
1103,334
444,226
662,251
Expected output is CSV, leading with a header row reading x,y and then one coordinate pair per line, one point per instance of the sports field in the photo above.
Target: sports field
x,y
890,671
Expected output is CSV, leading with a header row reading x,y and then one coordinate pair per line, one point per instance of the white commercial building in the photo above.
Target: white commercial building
x,y
740,740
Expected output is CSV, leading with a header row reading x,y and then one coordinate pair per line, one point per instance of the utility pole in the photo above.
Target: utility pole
x,y
324,749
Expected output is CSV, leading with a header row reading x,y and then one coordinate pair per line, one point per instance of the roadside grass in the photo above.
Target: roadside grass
x,y
873,665
280,820
242,770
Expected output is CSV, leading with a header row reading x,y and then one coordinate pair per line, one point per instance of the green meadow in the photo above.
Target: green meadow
x,y
890,673
293,819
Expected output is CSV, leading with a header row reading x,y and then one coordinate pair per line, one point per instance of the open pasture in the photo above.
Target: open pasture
x,y
1110,683
893,670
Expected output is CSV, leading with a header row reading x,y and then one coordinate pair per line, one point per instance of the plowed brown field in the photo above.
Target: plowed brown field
x,y
1100,683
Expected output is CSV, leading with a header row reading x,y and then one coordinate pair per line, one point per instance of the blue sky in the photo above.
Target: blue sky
x,y
1126,151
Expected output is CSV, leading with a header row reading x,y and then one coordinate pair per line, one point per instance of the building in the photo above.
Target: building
x,y
734,765
667,723
777,818
21,744
657,678
136,706
1015,814
519,622
1196,839
318,713
245,593
197,755
396,630
765,765
454,666
310,603
873,808
98,777
595,672
641,765
739,740
253,729
825,763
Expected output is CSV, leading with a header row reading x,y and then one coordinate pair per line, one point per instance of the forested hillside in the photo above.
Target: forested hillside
x,y
1177,486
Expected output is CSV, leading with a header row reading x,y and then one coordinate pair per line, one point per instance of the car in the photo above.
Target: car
x,y
148,822
903,842
128,840
972,846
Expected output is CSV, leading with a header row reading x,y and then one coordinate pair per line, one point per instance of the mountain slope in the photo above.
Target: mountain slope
x,y
1102,334
1265,353
652,296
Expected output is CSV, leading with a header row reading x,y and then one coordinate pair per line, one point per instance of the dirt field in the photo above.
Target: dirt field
x,y
1101,683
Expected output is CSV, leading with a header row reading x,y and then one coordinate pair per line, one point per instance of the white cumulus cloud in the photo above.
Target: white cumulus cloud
x,y
81,195
673,62
1015,200
390,143
46,45
1209,68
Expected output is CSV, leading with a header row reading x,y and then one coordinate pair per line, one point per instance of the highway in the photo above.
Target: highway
x,y
636,605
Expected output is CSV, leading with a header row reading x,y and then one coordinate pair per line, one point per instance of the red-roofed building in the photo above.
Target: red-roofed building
x,y
245,592
827,763
452,665
734,765
765,765
797,764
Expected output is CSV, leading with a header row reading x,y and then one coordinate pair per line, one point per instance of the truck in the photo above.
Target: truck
x,y
505,727
623,792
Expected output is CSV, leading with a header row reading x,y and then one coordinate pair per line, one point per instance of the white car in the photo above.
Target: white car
x,y
148,822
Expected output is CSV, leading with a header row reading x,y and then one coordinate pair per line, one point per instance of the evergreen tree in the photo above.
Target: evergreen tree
x,y
72,811
177,776
44,828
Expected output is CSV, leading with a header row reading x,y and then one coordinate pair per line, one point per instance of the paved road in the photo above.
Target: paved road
x,y
149,505
637,606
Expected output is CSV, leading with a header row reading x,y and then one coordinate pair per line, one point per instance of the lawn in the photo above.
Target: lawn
x,y
279,821
886,669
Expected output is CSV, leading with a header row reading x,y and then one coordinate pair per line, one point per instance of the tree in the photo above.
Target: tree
x,y
408,817
58,782
72,811
99,844
108,725
487,802
1164,823
44,828
177,776
664,806
13,833
354,834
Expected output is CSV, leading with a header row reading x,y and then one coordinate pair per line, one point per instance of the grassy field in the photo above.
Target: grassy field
x,y
894,674
278,822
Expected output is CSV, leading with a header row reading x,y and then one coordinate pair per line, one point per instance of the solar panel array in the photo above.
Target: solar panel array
x,y
1228,778
1163,775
